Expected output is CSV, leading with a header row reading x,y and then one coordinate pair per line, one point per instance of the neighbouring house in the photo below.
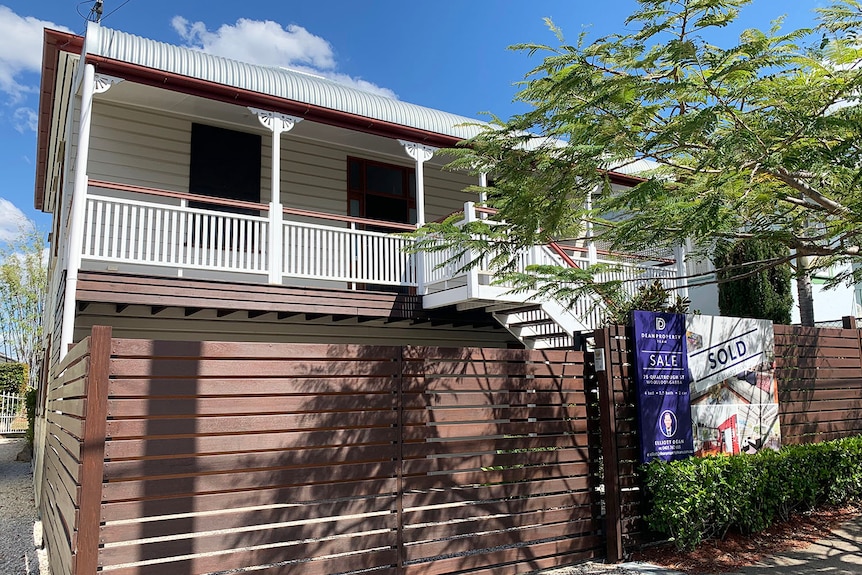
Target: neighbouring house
x,y
200,198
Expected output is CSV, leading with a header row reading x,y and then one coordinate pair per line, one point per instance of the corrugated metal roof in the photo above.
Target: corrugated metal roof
x,y
633,167
278,82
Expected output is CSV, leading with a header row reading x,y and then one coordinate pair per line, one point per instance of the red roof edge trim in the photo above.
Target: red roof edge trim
x,y
241,97
55,42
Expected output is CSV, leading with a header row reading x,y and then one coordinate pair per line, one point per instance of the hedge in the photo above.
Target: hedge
x,y
700,498
13,378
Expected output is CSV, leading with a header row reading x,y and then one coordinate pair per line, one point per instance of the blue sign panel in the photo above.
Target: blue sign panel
x,y
661,374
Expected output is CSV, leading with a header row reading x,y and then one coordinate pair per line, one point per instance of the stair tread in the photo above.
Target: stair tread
x,y
543,321
547,335
519,308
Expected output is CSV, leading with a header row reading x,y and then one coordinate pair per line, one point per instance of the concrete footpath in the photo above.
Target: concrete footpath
x,y
838,554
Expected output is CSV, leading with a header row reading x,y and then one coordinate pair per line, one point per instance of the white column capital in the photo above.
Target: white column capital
x,y
274,121
102,83
419,152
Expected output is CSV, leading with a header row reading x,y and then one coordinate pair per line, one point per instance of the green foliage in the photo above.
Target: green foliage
x,y
764,294
649,297
751,139
699,498
13,378
23,284
31,399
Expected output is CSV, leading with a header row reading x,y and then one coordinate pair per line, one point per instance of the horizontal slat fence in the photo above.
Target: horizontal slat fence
x,y
206,457
620,443
224,456
820,382
326,459
62,476
496,467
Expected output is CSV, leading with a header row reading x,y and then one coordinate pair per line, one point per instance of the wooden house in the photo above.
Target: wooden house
x,y
199,198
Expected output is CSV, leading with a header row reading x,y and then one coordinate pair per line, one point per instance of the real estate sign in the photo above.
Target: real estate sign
x,y
706,385
734,395
661,374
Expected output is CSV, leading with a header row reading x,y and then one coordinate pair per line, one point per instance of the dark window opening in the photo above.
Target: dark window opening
x,y
224,164
381,191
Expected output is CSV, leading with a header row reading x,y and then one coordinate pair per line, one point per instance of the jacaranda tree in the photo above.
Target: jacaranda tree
x,y
759,139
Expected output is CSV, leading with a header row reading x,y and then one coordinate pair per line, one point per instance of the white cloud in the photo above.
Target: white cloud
x,y
20,51
12,221
25,119
267,43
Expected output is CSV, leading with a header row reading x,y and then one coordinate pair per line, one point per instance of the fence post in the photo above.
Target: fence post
x,y
849,322
399,398
93,453
608,423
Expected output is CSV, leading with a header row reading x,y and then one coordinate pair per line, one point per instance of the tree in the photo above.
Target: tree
x,y
764,295
761,139
23,283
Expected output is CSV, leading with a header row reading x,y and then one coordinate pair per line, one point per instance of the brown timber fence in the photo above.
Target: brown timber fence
x,y
204,457
819,374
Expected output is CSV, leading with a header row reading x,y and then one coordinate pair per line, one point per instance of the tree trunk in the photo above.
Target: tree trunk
x,y
804,292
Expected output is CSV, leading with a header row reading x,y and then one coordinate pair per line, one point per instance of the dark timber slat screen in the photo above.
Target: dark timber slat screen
x,y
325,459
205,457
61,476
496,461
620,444
224,456
820,383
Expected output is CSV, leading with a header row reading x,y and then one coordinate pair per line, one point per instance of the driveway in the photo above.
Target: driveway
x,y
18,554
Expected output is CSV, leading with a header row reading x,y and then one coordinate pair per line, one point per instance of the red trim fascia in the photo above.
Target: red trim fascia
x,y
55,42
622,179
241,97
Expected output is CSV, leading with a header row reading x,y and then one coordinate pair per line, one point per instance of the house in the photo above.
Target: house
x,y
198,198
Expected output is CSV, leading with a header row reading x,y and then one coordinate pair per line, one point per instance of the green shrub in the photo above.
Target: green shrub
x,y
13,378
699,498
767,294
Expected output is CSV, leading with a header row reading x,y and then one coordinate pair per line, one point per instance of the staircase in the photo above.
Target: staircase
x,y
534,327
538,325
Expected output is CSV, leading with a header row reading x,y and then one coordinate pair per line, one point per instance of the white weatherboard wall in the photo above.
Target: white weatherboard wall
x,y
150,148
829,304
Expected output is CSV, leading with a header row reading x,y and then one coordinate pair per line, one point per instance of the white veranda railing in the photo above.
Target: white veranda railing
x,y
342,254
132,231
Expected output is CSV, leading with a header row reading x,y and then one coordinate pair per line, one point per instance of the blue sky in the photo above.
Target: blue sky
x,y
446,54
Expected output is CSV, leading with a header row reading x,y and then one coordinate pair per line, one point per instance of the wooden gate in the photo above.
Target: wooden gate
x,y
204,457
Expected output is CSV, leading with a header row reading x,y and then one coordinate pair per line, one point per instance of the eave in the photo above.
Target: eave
x,y
55,41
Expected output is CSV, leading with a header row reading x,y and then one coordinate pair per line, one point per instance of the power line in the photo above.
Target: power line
x,y
95,14
115,9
